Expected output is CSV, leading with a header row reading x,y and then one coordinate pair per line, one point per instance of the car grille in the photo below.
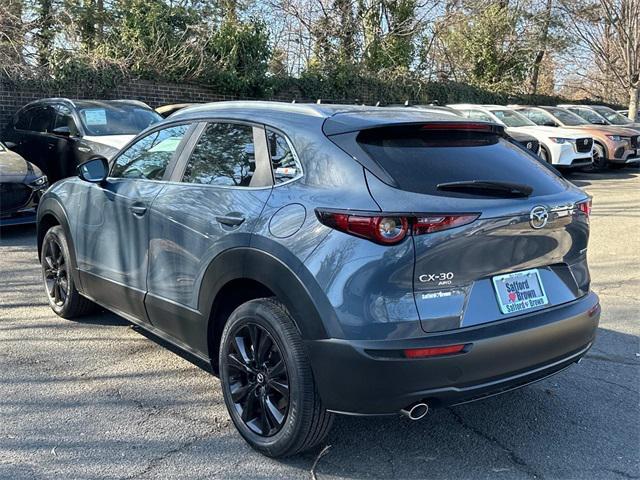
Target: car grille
x,y
584,145
13,196
635,141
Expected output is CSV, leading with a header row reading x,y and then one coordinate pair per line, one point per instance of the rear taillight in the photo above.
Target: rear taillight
x,y
391,229
585,207
436,223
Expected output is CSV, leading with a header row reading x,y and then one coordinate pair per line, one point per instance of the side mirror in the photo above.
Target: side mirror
x,y
62,132
94,170
550,124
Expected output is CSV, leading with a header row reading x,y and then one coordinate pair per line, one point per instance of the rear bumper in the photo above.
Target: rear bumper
x,y
374,378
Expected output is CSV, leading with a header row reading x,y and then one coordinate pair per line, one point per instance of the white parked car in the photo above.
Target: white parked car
x,y
562,147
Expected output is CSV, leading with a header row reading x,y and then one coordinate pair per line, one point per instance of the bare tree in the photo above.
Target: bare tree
x,y
610,29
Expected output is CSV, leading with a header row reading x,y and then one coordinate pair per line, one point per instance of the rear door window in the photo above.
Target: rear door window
x,y
225,155
419,159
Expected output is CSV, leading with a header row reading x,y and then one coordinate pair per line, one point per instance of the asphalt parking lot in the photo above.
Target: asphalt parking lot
x,y
97,399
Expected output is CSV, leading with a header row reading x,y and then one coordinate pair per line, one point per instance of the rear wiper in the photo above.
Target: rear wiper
x,y
487,187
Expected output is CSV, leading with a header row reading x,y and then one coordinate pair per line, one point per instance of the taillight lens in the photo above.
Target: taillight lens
x,y
585,207
391,229
436,223
385,230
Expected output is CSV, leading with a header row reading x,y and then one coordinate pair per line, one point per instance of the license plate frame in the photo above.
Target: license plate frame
x,y
516,292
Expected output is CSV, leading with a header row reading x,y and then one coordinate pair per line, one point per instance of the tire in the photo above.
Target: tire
x,y
299,421
599,158
64,298
545,155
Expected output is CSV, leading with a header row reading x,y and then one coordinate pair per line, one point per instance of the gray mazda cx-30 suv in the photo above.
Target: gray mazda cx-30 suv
x,y
330,259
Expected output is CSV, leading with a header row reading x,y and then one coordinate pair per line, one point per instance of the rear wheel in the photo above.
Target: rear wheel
x,y
64,298
267,382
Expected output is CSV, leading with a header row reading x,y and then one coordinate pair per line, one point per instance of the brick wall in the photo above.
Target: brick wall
x,y
13,96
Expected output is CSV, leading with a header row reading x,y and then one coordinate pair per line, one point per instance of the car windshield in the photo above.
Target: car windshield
x,y
513,119
110,119
613,116
566,117
589,115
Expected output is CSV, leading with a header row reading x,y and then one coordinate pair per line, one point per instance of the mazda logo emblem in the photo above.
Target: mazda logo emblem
x,y
529,145
538,217
585,141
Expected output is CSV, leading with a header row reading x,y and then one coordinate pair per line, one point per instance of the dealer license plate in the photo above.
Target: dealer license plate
x,y
520,291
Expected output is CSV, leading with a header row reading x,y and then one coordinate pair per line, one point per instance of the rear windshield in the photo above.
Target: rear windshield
x,y
419,159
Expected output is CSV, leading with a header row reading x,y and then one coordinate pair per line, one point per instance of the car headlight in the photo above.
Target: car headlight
x,y
615,138
560,140
39,182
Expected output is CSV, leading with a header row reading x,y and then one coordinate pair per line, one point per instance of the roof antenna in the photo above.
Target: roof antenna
x,y
318,101
406,103
293,101
378,103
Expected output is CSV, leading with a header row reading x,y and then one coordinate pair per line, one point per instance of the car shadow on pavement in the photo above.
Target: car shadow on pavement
x,y
581,423
585,179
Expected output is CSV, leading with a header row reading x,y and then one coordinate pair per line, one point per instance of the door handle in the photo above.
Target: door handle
x,y
138,210
84,149
230,220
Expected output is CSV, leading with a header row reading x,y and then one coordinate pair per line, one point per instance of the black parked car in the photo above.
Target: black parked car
x,y
58,134
21,185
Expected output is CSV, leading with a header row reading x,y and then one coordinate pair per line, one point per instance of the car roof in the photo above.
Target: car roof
x,y
334,118
88,103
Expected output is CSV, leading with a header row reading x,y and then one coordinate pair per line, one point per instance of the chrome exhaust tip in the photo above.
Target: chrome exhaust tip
x,y
416,411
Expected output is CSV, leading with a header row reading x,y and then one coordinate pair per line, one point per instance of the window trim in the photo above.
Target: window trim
x,y
181,164
174,158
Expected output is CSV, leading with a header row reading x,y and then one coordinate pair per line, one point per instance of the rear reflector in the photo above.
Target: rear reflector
x,y
433,351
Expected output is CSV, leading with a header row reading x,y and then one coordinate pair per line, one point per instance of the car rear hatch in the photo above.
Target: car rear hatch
x,y
496,232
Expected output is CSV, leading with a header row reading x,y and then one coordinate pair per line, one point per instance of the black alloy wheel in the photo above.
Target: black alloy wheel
x,y
55,272
267,380
258,379
57,276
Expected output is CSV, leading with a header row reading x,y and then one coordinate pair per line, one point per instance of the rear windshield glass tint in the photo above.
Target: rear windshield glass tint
x,y
419,159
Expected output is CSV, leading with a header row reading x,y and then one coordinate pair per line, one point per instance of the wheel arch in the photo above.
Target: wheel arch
x,y
241,274
50,214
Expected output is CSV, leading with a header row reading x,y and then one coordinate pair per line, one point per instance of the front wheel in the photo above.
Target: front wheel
x,y
599,158
64,298
545,155
267,381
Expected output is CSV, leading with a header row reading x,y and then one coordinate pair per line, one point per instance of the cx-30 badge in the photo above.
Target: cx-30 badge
x,y
538,217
